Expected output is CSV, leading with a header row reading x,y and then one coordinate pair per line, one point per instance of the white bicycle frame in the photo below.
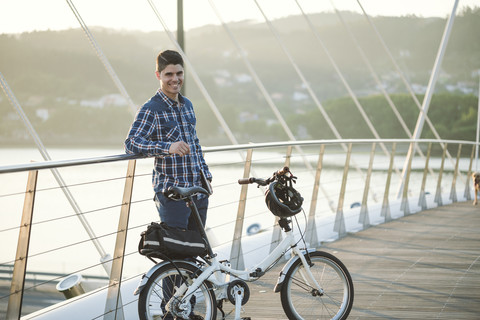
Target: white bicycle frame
x,y
214,273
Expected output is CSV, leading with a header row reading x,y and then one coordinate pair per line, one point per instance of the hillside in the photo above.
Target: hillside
x,y
61,84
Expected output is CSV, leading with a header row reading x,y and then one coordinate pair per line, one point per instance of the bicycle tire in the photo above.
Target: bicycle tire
x,y
150,301
302,301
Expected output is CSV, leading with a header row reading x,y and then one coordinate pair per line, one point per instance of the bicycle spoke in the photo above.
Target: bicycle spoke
x,y
302,284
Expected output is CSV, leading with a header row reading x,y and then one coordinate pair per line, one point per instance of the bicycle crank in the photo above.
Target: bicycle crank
x,y
238,288
238,294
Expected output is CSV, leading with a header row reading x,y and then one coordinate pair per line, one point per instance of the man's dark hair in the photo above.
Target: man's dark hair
x,y
168,57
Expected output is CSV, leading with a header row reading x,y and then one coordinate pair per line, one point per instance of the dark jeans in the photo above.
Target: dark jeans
x,y
176,214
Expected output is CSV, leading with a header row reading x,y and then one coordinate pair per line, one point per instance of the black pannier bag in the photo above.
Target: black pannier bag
x,y
159,240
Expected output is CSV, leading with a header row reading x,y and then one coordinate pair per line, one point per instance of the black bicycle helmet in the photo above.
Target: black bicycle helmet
x,y
283,200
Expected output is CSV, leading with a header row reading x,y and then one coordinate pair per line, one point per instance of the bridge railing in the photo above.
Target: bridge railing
x,y
347,185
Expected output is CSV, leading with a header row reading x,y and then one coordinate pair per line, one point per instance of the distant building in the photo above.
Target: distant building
x,y
109,100
277,96
222,78
463,87
299,96
246,116
42,114
243,78
34,100
418,88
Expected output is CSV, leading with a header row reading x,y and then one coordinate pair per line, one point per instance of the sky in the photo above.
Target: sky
x,y
18,16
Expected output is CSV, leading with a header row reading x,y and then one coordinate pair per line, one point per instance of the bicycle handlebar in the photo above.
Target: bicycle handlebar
x,y
260,182
265,182
246,180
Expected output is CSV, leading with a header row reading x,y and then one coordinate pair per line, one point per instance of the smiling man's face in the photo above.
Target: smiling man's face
x,y
171,80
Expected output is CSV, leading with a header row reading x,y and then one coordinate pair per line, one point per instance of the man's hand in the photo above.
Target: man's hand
x,y
180,147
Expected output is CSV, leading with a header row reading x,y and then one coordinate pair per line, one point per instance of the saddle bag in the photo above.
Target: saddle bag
x,y
160,240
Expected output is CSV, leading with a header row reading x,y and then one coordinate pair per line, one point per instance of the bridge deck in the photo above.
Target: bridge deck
x,y
422,266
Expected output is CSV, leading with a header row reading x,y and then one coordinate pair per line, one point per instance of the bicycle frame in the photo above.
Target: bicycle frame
x,y
214,272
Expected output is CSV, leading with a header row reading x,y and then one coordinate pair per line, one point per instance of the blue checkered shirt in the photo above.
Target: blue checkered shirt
x,y
160,122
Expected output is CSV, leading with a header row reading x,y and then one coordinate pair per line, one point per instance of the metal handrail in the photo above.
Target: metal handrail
x,y
123,157
338,220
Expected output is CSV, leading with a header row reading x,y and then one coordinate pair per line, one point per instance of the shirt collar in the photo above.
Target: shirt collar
x,y
170,102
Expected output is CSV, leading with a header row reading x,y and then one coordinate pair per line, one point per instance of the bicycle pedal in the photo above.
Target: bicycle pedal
x,y
246,318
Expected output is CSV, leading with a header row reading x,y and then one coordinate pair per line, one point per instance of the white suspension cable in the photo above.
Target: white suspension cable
x,y
430,90
377,80
104,257
254,74
266,95
339,73
307,85
408,86
103,58
300,73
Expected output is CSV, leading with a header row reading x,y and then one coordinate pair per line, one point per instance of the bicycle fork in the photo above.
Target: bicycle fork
x,y
309,278
307,275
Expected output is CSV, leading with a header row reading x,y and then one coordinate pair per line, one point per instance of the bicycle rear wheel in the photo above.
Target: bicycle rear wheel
x,y
162,285
300,300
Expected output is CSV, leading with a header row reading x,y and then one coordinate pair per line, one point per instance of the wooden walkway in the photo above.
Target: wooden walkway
x,y
423,266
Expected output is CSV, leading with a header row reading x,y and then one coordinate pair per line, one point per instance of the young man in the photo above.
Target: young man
x,y
164,127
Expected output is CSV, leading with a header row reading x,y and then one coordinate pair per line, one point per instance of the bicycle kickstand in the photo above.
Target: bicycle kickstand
x,y
238,303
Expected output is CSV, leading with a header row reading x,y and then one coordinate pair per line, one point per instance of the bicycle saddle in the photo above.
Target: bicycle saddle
x,y
184,192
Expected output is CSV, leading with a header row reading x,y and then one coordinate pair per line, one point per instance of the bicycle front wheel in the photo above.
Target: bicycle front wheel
x,y
162,285
301,300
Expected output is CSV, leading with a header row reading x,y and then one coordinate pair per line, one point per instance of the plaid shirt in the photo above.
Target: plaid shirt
x,y
160,122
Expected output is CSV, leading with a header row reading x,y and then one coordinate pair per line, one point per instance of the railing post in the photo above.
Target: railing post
x,y
422,201
311,232
236,254
363,218
113,305
466,194
339,218
277,232
438,193
14,308
288,156
404,205
453,191
386,206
